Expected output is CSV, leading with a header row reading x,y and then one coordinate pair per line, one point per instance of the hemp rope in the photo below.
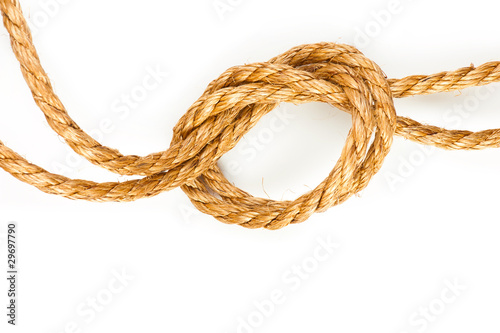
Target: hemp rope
x,y
337,74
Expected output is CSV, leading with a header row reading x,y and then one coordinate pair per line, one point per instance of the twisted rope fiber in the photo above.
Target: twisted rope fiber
x,y
336,74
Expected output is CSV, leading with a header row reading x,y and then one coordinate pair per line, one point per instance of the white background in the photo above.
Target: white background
x,y
402,243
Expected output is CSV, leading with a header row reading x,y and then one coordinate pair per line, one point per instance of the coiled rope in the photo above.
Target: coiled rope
x,y
336,74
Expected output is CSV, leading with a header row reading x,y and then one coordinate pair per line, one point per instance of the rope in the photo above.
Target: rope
x,y
337,74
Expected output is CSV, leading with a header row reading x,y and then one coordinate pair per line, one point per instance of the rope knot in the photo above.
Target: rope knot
x,y
336,74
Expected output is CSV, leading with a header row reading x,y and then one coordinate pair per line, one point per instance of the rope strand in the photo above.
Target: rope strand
x,y
337,74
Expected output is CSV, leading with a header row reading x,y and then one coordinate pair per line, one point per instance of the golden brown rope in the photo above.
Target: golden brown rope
x,y
336,74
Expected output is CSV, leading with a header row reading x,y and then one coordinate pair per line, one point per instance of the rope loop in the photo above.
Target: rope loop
x,y
336,74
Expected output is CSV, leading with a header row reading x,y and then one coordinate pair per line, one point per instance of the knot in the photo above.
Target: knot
x,y
336,74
